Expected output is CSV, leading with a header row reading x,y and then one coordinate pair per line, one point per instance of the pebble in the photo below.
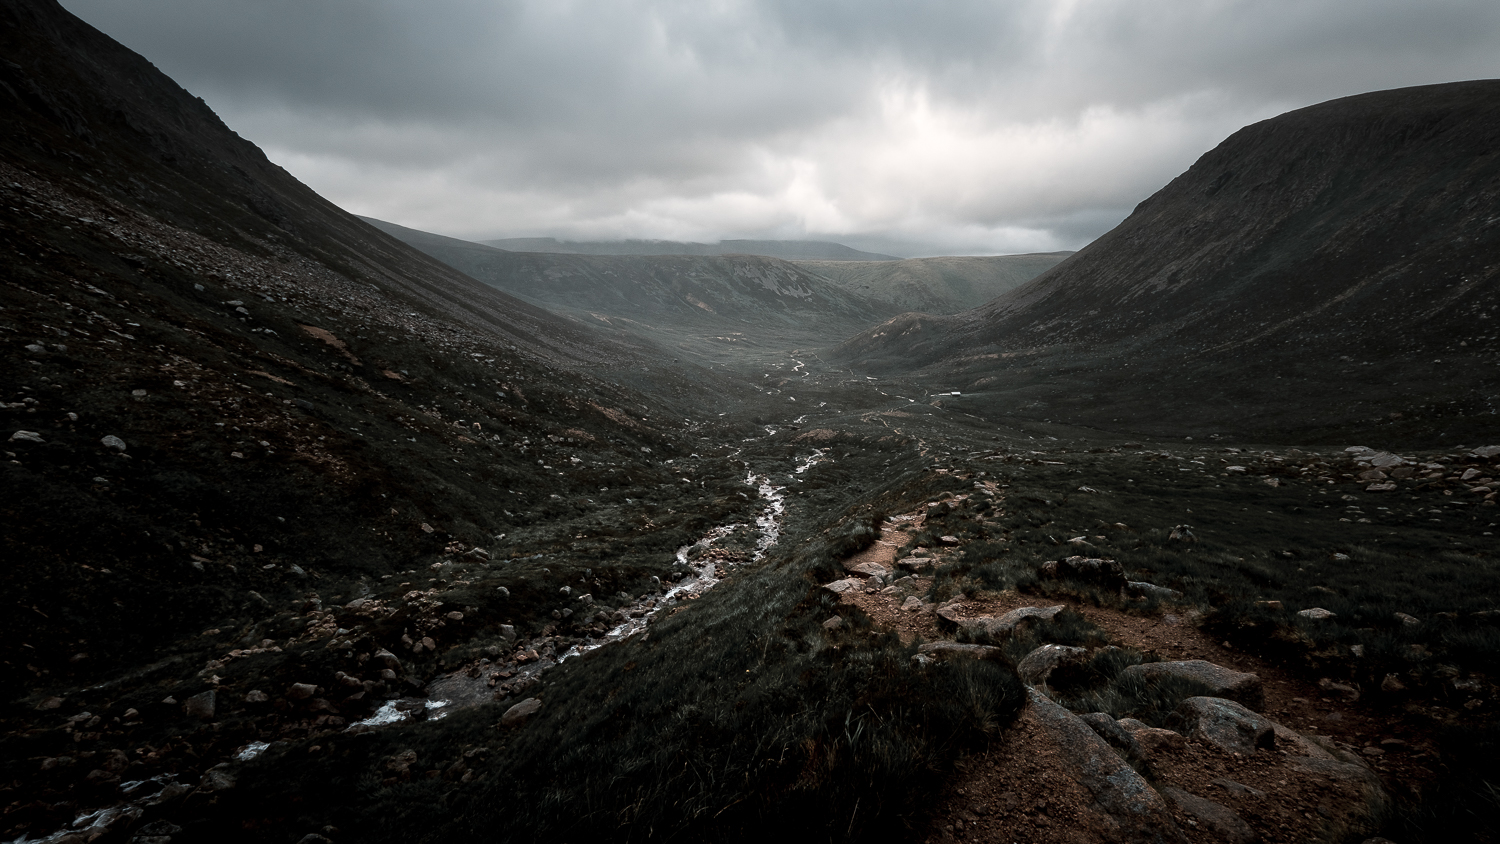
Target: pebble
x,y
26,436
113,442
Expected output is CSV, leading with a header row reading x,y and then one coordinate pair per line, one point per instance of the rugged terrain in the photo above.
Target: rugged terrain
x,y
311,537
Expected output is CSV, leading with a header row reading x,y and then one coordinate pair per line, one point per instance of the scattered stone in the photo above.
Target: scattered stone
x,y
1392,684
947,540
1224,724
256,696
1270,605
1037,666
1222,682
1316,614
201,705
113,442
301,691
1142,589
26,437
912,604
50,703
1219,819
517,715
915,564
839,587
1182,533
833,624
869,569
1407,620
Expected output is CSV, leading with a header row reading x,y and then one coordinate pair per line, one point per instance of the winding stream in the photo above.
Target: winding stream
x,y
460,690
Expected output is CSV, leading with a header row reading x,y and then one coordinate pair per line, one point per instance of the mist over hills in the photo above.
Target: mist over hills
x,y
790,250
1337,265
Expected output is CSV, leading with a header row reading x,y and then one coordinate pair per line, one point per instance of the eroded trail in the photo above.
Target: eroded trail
x,y
1316,777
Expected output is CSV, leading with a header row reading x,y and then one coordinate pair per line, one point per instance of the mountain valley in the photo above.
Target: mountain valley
x,y
319,528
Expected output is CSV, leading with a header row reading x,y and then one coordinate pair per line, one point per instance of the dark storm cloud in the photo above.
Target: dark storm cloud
x,y
980,126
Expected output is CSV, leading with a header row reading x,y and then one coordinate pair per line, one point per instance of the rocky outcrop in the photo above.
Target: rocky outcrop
x,y
996,626
1037,666
1224,724
1123,802
1217,680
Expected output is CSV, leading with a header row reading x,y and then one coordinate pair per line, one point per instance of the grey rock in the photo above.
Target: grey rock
x,y
314,838
301,691
1142,589
217,778
508,633
1220,681
915,564
1317,614
1131,808
1407,620
36,349
839,587
1218,818
26,437
833,623
1037,666
1225,724
517,715
912,604
113,442
201,705
868,569
1016,619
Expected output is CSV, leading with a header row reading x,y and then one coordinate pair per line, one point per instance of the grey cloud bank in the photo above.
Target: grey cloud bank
x,y
962,127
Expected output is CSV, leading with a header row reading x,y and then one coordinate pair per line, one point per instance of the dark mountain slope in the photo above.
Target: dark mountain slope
x,y
1334,267
663,292
82,108
936,285
225,401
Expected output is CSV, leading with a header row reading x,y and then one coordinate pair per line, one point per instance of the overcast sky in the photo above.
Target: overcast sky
x,y
945,126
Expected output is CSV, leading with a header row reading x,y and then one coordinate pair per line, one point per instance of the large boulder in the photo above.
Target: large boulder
x,y
1037,666
1224,724
997,626
1220,681
1108,574
1122,801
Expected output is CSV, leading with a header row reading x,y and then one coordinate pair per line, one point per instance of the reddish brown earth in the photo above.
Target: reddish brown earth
x,y
1019,789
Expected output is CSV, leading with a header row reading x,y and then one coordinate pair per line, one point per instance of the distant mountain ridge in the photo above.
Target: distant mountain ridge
x,y
787,250
1336,265
942,285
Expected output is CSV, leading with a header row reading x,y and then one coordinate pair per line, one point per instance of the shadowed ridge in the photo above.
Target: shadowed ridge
x,y
85,110
1357,230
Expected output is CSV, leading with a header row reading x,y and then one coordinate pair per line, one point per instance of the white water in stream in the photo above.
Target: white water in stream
x,y
459,690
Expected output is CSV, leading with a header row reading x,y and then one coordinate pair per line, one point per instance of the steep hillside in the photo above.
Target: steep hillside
x,y
1335,267
787,250
226,401
936,285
